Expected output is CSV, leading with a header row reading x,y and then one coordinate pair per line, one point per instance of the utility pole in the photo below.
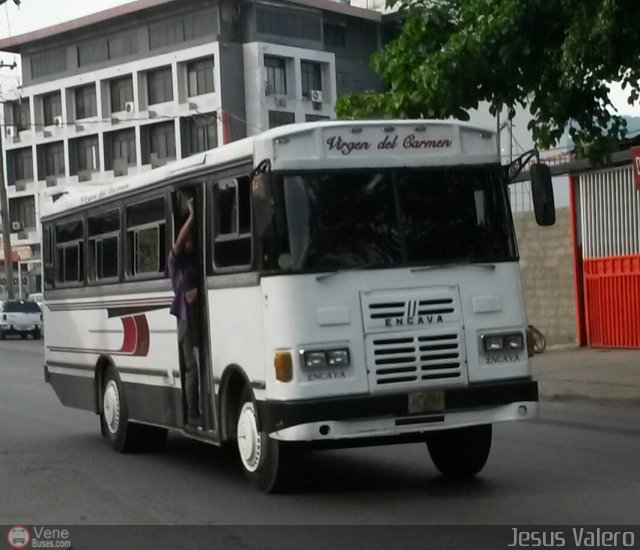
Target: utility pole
x,y
4,212
6,232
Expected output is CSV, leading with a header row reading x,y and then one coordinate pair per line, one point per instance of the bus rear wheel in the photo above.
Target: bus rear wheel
x,y
461,452
125,436
261,456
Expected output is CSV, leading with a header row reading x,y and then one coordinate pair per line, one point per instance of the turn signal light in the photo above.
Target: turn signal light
x,y
283,364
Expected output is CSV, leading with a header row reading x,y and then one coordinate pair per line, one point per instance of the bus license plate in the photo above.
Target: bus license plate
x,y
426,401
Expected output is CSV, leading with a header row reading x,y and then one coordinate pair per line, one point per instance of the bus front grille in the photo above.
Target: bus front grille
x,y
420,359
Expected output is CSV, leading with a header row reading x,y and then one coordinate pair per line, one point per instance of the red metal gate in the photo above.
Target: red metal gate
x,y
610,230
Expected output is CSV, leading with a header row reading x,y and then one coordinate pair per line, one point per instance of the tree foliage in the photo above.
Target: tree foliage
x,y
554,58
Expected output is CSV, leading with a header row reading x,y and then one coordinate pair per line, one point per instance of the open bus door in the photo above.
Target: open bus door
x,y
180,197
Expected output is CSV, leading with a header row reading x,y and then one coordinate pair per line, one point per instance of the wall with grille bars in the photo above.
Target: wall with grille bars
x,y
610,231
610,213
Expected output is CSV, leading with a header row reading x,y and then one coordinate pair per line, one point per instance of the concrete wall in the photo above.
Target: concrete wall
x,y
546,270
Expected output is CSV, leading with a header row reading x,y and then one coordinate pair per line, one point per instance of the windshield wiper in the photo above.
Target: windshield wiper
x,y
490,267
329,274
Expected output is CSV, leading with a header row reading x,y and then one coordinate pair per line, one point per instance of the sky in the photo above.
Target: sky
x,y
35,14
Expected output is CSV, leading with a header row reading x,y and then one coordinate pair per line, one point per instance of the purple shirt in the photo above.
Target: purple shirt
x,y
183,274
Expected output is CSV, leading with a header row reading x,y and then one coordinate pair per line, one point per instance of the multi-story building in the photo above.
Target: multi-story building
x,y
134,87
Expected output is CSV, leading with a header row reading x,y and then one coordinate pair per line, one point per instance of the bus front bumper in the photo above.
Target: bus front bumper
x,y
374,417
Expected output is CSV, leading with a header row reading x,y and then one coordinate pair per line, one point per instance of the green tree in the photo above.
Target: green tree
x,y
554,58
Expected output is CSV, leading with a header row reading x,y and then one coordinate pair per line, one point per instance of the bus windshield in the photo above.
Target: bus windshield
x,y
374,218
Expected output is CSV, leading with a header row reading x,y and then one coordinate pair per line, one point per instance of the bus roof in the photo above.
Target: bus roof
x,y
337,144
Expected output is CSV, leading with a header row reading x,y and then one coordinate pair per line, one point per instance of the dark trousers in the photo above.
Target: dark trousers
x,y
188,338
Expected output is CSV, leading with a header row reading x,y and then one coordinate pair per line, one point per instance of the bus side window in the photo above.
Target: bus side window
x,y
146,238
232,243
70,253
104,246
48,255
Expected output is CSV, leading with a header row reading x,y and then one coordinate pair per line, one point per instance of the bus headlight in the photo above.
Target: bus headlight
x,y
318,359
514,342
315,359
338,358
502,342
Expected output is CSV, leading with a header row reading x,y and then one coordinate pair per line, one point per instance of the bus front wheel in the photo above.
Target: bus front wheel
x,y
260,455
461,452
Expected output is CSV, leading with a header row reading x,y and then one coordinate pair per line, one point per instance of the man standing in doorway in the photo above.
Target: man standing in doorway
x,y
183,270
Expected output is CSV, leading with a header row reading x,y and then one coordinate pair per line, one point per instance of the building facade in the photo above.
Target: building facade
x,y
134,87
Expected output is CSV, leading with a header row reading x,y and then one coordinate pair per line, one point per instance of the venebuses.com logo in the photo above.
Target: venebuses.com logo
x,y
18,537
38,537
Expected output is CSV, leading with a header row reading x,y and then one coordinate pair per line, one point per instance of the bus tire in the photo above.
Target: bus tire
x,y
461,452
260,455
114,419
125,436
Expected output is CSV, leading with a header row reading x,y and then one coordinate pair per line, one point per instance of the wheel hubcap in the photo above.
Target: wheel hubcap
x,y
111,404
249,439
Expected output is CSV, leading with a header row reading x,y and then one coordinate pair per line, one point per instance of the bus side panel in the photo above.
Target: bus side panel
x,y
75,391
235,321
154,404
135,333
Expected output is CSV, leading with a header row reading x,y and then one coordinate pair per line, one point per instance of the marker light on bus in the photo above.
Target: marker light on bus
x,y
330,358
502,342
284,366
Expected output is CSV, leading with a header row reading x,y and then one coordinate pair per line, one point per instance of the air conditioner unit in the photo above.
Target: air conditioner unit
x,y
58,121
316,96
281,102
11,131
16,226
129,107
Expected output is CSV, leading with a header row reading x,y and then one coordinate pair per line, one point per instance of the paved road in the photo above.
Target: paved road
x,y
574,465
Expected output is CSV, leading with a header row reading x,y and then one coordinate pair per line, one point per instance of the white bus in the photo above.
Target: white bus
x,y
359,285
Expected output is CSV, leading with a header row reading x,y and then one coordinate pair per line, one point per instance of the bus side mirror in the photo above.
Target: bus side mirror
x,y
542,194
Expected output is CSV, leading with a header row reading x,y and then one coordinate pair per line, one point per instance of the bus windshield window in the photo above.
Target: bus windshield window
x,y
388,218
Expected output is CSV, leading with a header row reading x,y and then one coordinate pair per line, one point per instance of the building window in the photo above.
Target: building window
x,y
120,150
53,159
197,26
160,86
104,246
166,34
315,118
21,115
121,91
85,154
86,103
172,32
160,143
200,133
280,118
122,45
70,252
276,75
52,105
146,238
20,165
49,63
92,52
232,242
23,210
334,35
200,76
287,22
311,75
